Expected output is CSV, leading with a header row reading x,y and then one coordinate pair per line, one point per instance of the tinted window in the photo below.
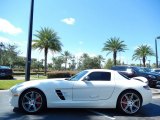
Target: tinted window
x,y
100,76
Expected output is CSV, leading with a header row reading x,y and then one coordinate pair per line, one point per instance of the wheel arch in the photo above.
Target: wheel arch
x,y
32,88
129,90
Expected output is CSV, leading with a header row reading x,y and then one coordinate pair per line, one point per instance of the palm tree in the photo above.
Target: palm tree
x,y
66,56
114,45
100,60
47,40
142,52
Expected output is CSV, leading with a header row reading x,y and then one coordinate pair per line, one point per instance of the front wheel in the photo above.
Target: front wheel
x,y
129,102
32,101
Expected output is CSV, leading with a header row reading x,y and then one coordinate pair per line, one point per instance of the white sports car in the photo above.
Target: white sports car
x,y
94,88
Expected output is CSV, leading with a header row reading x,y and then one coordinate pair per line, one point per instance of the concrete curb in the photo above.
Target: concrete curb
x,y
4,90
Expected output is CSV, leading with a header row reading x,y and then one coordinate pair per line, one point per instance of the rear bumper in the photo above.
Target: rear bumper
x,y
147,97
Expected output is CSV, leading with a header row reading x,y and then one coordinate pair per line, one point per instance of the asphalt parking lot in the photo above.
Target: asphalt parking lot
x,y
150,111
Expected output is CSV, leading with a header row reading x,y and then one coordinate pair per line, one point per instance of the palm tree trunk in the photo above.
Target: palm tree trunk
x,y
114,57
144,62
45,57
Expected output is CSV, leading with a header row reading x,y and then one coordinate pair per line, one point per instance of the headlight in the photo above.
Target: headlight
x,y
14,90
152,76
146,87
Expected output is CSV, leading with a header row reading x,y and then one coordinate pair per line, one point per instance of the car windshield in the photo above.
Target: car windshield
x,y
139,69
78,76
147,69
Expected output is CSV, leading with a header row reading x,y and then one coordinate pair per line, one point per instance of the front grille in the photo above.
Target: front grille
x,y
60,95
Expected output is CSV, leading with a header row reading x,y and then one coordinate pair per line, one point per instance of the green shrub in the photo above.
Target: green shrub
x,y
61,74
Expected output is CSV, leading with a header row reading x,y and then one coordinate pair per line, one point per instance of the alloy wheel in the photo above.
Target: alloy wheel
x,y
130,103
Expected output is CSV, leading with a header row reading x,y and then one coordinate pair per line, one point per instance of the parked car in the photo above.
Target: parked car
x,y
157,70
94,88
6,72
133,71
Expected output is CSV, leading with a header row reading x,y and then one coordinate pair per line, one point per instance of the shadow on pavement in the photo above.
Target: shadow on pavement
x,y
150,110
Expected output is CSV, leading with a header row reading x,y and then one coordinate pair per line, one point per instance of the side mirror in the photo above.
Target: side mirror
x,y
86,78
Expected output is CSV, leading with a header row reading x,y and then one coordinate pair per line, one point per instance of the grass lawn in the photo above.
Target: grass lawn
x,y
6,84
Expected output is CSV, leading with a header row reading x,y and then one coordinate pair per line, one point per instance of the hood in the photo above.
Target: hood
x,y
152,73
49,83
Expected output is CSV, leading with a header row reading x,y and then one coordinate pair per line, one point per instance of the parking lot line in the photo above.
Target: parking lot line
x,y
101,114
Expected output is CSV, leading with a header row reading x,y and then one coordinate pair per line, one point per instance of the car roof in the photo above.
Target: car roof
x,y
101,70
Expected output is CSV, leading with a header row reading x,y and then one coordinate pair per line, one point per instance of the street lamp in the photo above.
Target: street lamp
x,y
140,61
156,51
28,60
149,63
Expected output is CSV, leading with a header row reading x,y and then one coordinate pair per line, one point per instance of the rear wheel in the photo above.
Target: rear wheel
x,y
129,102
32,101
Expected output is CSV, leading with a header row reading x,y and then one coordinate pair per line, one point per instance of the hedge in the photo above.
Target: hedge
x,y
61,74
23,73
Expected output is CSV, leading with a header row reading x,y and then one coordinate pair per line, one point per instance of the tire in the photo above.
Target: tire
x,y
32,101
129,102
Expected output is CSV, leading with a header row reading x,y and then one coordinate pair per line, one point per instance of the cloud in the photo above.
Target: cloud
x,y
9,41
7,27
68,21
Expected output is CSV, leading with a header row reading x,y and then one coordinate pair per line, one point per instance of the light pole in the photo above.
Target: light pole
x,y
140,61
28,60
156,51
149,63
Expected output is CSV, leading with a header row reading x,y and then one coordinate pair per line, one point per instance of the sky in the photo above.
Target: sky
x,y
83,25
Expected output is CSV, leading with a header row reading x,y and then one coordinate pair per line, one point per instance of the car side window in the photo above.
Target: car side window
x,y
100,76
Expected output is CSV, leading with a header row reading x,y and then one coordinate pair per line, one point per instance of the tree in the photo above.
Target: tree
x,y
73,63
108,64
142,52
100,60
87,62
67,56
114,45
8,54
57,62
47,40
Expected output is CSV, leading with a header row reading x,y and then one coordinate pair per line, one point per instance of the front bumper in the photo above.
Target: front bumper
x,y
14,101
14,97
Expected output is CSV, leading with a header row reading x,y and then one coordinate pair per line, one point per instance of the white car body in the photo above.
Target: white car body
x,y
61,93
143,79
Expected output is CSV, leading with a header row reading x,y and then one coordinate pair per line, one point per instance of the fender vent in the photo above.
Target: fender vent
x,y
60,95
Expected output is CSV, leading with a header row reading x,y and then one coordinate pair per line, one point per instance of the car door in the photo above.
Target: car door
x,y
99,86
